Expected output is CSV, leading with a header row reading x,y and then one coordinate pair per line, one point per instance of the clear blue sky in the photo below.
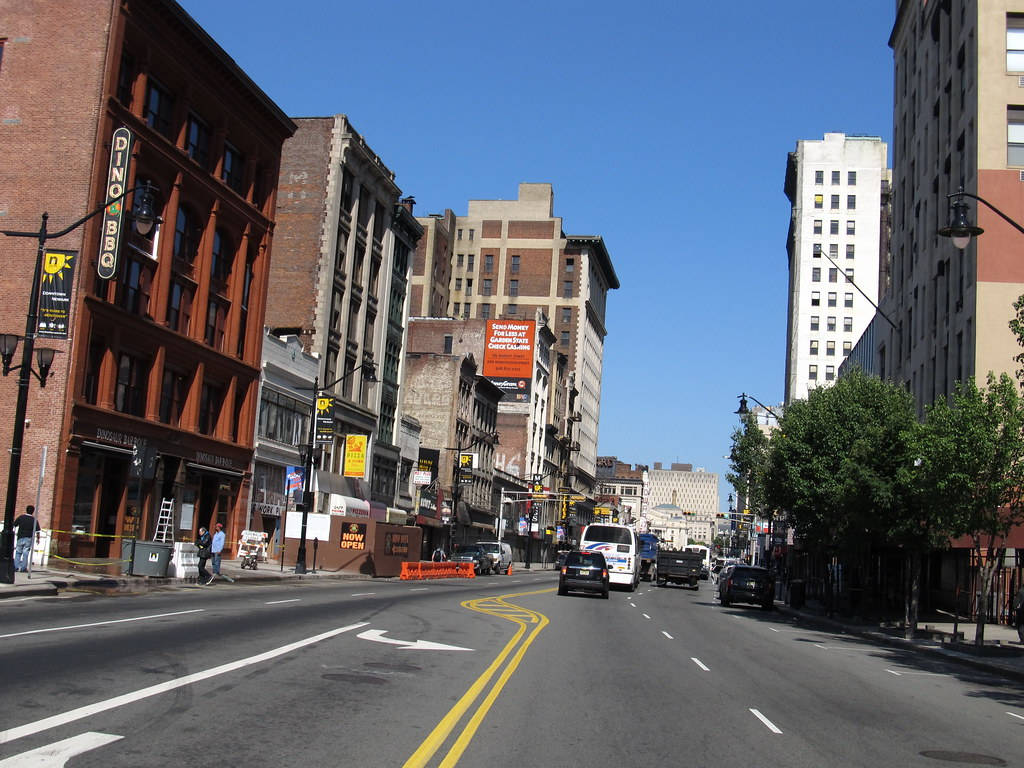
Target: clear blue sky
x,y
663,127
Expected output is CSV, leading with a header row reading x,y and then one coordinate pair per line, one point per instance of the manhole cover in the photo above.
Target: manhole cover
x,y
343,678
967,758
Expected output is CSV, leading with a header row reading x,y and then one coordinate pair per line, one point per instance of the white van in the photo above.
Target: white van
x,y
621,549
501,555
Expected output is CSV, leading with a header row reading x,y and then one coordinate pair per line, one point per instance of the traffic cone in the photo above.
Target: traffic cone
x,y
508,571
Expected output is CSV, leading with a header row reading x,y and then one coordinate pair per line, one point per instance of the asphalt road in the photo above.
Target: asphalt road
x,y
496,671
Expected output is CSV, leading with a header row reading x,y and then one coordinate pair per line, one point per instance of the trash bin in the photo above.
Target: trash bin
x,y
146,558
797,593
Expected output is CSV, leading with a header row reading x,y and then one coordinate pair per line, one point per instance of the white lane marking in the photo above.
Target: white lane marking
x,y
57,754
169,685
1013,714
101,623
773,629
419,589
515,581
377,635
771,726
646,616
278,602
698,662
893,672
362,594
633,604
819,645
666,634
900,674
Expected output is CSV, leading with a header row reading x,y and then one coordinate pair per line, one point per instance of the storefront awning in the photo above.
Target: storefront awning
x,y
346,505
214,470
429,522
398,516
378,511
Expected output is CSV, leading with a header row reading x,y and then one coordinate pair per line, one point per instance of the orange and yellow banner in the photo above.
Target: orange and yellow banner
x,y
355,456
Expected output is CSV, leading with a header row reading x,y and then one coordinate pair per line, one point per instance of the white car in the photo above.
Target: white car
x,y
501,554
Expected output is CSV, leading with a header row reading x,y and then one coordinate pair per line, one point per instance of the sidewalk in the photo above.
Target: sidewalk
x,y
1002,653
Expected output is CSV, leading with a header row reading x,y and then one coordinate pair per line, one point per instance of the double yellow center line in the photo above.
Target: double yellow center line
x,y
510,657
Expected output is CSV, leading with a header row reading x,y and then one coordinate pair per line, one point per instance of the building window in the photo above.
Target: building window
x,y
514,266
847,299
815,321
513,287
209,408
833,227
851,202
849,250
830,372
1015,135
449,339
459,237
830,348
457,307
135,285
847,348
186,238
566,314
130,390
834,202
816,275
486,287
848,324
817,226
565,339
159,110
815,298
570,265
849,274
512,309
488,262
460,258
851,227
814,346
220,264
830,323
173,390
485,311
812,372
1014,42
471,233
216,318
835,177
458,283
833,274
470,259
851,178
179,306
832,299
819,201
819,177
833,250
567,289
233,172
465,309
125,77
197,140
469,286
817,250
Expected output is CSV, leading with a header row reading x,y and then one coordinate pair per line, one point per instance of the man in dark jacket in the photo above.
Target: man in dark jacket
x,y
203,542
25,527
1018,612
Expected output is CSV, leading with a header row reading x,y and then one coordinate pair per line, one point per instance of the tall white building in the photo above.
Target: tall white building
x,y
839,191
688,502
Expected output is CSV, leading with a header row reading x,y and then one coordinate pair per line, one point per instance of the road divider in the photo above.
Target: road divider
x,y
432,570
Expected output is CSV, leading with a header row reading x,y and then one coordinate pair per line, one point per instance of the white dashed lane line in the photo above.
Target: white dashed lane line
x,y
1013,714
278,602
362,594
666,634
646,616
700,664
419,589
768,723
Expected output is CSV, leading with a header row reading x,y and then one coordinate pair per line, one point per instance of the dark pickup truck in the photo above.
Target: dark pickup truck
x,y
679,567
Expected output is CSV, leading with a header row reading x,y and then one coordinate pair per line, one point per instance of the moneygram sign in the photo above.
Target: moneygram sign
x,y
508,356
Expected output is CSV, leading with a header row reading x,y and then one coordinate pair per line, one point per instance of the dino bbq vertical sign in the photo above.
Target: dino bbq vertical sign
x,y
113,215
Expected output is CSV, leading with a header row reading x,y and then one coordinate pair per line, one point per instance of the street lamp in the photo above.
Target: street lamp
x,y
145,218
493,437
960,229
369,374
743,410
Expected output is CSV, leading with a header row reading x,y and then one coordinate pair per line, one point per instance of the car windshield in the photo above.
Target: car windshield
x,y
589,559
490,547
610,534
465,549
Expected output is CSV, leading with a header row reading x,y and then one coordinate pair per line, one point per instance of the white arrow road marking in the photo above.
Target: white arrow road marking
x,y
377,635
771,726
900,674
101,623
698,662
57,754
169,685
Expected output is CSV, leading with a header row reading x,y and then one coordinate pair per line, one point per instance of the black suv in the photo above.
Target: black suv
x,y
747,584
584,572
473,553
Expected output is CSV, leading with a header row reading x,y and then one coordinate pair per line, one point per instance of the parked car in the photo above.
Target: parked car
x,y
473,553
584,572
746,584
501,555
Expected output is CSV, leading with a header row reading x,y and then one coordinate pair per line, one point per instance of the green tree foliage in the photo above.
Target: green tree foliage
x,y
748,464
973,467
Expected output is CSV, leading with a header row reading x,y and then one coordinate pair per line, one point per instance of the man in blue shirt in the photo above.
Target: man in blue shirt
x,y
216,547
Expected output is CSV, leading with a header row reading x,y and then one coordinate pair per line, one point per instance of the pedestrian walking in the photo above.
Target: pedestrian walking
x,y
203,542
216,547
439,556
1018,612
25,527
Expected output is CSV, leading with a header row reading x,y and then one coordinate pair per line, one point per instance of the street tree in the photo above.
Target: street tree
x,y
974,467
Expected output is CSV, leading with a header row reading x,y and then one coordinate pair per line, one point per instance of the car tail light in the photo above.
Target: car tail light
x,y
564,570
728,584
604,573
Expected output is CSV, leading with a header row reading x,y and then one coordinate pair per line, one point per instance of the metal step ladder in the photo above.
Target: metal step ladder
x,y
165,522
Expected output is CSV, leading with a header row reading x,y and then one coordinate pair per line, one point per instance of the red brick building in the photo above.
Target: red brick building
x,y
163,358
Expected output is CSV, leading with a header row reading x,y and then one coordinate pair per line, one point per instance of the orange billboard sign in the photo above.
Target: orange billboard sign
x,y
508,356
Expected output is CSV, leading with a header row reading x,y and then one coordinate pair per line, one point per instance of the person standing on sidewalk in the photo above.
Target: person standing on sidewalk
x,y
25,527
216,548
1018,612
203,542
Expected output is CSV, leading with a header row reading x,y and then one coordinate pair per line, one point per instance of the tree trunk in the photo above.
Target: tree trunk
x,y
986,571
912,593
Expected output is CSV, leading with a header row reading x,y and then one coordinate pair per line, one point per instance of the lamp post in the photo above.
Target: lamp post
x,y
145,218
960,230
457,480
369,374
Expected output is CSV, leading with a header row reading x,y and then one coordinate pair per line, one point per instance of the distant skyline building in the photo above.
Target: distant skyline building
x,y
838,188
688,499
